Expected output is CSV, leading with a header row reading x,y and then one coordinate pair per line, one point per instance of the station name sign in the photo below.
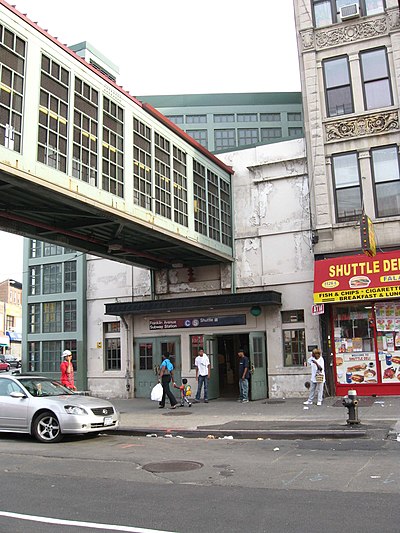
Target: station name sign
x,y
355,277
198,322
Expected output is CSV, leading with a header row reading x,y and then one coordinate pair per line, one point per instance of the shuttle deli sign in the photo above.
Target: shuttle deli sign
x,y
198,322
355,277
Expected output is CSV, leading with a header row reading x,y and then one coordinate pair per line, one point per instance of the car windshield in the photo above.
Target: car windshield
x,y
43,387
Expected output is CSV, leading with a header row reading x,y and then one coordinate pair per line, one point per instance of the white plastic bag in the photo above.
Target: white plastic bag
x,y
157,393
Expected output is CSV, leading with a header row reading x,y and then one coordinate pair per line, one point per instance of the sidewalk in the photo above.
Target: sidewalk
x,y
278,419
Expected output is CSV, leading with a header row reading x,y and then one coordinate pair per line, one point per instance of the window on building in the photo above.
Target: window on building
x,y
146,356
180,186
85,138
12,70
327,12
200,197
162,167
176,119
142,181
196,342
34,280
196,119
52,278
51,351
70,276
70,315
289,317
113,354
35,248
339,100
270,133
51,317
53,115
294,117
10,323
295,132
347,187
247,117
71,345
113,148
386,174
270,117
224,117
34,356
294,347
34,318
51,249
376,80
112,346
247,136
224,139
214,214
200,136
226,219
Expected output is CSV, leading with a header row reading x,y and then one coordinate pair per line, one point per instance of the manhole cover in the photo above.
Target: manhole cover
x,y
177,413
172,466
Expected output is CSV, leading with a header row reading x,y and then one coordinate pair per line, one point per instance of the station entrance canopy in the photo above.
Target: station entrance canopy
x,y
85,165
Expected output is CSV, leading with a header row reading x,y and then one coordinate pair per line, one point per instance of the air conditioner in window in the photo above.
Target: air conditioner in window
x,y
350,11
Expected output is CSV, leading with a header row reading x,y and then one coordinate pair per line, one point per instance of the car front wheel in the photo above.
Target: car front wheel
x,y
46,428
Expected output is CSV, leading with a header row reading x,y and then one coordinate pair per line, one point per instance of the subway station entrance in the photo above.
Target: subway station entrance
x,y
223,353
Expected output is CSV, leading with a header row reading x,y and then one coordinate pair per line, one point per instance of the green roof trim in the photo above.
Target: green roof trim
x,y
222,99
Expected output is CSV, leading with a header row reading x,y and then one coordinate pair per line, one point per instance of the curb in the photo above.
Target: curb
x,y
273,434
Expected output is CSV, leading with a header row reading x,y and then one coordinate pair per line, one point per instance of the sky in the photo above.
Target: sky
x,y
175,47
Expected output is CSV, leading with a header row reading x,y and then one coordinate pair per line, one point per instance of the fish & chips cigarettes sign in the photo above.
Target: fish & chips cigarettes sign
x,y
356,277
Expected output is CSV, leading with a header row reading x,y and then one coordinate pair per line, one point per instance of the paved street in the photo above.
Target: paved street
x,y
251,485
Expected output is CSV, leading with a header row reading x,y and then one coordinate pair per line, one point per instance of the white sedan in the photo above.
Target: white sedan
x,y
48,410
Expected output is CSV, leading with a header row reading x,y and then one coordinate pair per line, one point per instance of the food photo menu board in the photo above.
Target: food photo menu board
x,y
356,368
387,316
388,340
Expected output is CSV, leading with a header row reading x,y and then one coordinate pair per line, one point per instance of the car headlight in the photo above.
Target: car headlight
x,y
75,410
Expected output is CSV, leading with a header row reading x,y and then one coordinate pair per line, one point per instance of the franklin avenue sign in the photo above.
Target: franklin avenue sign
x,y
198,322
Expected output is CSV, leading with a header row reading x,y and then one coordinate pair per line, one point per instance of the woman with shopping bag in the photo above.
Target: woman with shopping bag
x,y
166,376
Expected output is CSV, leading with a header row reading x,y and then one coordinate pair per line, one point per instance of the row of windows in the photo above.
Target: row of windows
x,y
52,317
235,117
12,68
45,356
327,12
45,249
52,278
230,137
375,78
385,172
70,105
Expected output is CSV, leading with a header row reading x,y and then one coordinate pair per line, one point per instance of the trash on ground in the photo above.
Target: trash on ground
x,y
260,438
210,436
168,436
151,435
276,449
228,437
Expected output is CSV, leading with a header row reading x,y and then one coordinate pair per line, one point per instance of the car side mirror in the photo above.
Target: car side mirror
x,y
15,394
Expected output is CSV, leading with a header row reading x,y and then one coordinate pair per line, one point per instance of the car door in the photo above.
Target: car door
x,y
13,411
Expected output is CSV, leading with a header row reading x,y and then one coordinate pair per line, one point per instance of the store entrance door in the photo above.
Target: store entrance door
x,y
258,359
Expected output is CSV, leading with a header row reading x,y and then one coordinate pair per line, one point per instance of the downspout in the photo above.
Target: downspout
x,y
128,374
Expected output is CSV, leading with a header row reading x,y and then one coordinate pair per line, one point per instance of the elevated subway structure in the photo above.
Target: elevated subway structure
x,y
85,165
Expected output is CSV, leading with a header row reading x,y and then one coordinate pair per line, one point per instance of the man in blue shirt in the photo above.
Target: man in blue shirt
x,y
244,376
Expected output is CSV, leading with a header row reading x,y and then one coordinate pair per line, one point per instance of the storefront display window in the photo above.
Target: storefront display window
x,y
367,343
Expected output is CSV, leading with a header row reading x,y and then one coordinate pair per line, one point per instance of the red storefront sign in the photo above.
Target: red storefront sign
x,y
357,277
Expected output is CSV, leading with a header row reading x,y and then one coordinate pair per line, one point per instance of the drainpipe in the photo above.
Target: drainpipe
x,y
128,375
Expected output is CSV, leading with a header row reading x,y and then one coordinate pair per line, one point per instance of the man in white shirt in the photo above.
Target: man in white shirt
x,y
202,364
